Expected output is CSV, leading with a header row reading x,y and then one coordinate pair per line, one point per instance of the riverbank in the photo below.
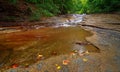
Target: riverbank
x,y
105,37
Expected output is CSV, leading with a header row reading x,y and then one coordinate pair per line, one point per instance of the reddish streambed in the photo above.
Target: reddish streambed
x,y
24,46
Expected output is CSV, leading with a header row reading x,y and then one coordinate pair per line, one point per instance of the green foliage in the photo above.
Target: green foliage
x,y
55,7
13,1
33,1
97,6
35,16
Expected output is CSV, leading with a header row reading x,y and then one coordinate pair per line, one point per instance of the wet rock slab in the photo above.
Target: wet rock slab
x,y
106,37
105,21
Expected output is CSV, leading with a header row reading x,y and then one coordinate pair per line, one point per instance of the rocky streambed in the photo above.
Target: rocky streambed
x,y
69,43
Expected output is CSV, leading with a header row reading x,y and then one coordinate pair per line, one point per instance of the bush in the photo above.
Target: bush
x,y
97,6
55,7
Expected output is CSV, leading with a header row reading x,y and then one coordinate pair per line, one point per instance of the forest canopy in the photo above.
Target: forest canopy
x,y
73,6
38,8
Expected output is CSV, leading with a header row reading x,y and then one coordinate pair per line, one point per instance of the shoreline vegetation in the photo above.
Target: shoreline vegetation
x,y
33,10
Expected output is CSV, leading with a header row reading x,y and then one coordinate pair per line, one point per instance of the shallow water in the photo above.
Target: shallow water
x,y
25,46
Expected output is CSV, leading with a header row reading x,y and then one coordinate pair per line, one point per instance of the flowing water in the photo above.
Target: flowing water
x,y
25,46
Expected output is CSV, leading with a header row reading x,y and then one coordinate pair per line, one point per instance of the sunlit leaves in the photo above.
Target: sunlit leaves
x,y
54,7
